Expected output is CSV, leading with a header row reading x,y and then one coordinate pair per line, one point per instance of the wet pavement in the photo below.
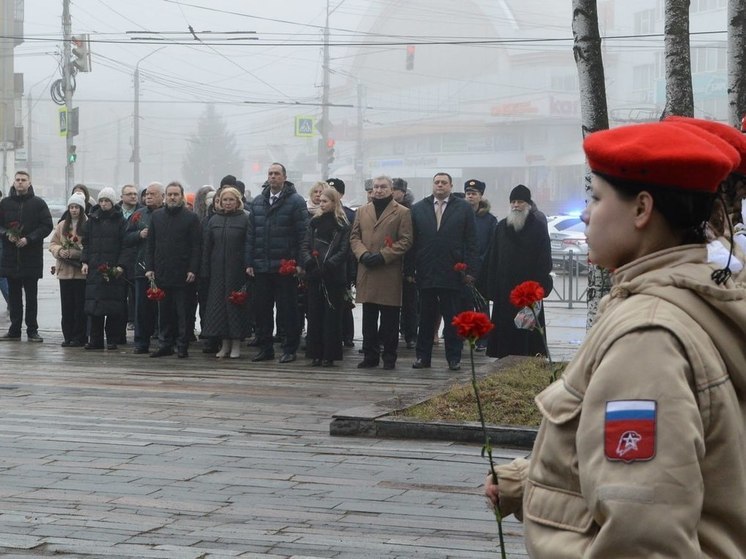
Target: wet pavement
x,y
110,454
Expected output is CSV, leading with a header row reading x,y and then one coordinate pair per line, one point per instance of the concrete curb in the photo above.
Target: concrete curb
x,y
375,420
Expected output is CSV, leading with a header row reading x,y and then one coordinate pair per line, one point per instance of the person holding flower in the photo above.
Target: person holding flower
x,y
25,222
642,447
520,250
226,316
104,259
324,256
67,247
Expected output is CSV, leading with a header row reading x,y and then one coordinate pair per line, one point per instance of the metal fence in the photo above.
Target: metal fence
x,y
570,277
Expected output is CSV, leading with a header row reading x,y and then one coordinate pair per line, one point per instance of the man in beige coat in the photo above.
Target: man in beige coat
x,y
381,235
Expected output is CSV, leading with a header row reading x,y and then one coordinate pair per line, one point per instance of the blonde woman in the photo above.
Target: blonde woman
x,y
223,266
324,256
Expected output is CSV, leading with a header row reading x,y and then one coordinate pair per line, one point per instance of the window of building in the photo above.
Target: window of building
x,y
645,22
707,5
708,59
643,82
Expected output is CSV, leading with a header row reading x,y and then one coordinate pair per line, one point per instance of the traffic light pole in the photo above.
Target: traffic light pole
x,y
67,84
325,98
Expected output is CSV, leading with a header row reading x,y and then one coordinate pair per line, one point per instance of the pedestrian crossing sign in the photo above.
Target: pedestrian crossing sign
x,y
304,126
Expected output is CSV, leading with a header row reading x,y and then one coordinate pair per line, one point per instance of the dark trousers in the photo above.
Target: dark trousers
x,y
172,320
131,303
72,301
387,335
17,288
274,289
324,332
111,324
146,314
448,303
348,323
409,318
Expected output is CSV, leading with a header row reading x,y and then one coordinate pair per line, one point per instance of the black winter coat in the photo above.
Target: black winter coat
x,y
104,244
436,251
223,264
332,241
174,246
275,231
32,213
512,259
135,244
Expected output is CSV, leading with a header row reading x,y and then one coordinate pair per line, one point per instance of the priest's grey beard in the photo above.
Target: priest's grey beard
x,y
517,218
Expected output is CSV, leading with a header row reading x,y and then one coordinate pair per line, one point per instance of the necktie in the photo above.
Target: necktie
x,y
273,199
438,213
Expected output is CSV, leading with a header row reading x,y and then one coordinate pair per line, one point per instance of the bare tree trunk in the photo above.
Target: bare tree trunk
x,y
679,95
736,61
594,113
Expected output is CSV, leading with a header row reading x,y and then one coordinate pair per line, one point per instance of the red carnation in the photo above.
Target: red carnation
x,y
315,253
526,294
155,294
472,325
103,268
136,217
287,267
238,297
460,267
388,241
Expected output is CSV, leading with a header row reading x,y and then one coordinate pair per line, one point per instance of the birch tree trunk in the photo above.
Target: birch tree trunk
x,y
679,96
736,61
593,112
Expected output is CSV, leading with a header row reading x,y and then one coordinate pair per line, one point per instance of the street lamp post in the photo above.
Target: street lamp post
x,y
136,139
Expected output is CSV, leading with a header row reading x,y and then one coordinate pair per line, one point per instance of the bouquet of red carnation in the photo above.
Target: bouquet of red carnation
x,y
288,267
71,241
315,253
108,272
477,298
388,241
239,297
155,293
528,296
14,229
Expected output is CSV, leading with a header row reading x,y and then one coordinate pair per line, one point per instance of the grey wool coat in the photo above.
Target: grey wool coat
x,y
381,285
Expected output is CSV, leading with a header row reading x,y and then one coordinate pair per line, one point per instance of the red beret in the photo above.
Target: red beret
x,y
658,154
734,137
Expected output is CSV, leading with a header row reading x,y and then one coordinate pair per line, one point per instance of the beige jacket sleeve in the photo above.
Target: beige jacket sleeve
x,y
511,479
644,508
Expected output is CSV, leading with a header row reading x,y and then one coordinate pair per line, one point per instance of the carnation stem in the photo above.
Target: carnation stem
x,y
543,333
487,446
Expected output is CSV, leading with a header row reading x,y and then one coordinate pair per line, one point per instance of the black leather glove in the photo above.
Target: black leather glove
x,y
372,260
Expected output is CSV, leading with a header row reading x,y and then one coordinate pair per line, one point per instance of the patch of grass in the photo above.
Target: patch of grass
x,y
507,398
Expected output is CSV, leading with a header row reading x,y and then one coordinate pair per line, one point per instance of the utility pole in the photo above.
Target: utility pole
x,y
136,139
29,143
359,152
68,89
324,129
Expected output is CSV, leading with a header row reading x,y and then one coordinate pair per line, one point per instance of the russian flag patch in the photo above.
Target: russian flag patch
x,y
629,430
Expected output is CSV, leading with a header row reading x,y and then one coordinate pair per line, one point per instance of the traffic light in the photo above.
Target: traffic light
x,y
72,156
330,151
410,57
81,53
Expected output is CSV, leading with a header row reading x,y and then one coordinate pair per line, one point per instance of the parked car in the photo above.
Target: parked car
x,y
567,233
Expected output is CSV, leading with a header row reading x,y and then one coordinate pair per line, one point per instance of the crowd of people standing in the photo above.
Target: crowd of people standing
x,y
258,269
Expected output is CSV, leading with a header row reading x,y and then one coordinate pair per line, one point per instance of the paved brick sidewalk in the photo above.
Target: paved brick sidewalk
x,y
108,454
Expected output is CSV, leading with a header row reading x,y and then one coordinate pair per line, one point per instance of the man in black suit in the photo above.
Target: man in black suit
x,y
444,235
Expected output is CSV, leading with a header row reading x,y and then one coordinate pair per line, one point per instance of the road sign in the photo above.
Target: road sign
x,y
63,121
304,126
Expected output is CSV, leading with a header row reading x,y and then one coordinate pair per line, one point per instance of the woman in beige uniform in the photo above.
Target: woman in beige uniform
x,y
642,448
